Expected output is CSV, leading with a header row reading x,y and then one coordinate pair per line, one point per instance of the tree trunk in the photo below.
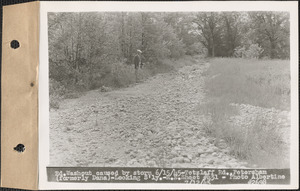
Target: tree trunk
x,y
213,48
230,39
209,51
130,39
143,32
78,46
272,49
123,48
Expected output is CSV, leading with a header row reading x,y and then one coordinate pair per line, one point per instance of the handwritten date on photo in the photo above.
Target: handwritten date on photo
x,y
168,175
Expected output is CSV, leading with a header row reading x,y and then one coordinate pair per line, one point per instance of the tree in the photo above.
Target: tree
x,y
208,27
84,48
272,30
232,31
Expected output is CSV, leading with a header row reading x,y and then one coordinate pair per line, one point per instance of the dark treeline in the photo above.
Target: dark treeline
x,y
84,47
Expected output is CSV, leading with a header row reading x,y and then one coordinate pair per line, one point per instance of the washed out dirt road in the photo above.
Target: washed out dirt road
x,y
156,123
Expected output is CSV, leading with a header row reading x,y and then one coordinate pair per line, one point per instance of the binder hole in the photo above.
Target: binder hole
x,y
19,148
14,44
31,84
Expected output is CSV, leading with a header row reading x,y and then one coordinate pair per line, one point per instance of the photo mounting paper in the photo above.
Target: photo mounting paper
x,y
182,95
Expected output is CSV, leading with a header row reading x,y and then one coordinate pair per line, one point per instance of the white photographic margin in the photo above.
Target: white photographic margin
x,y
193,6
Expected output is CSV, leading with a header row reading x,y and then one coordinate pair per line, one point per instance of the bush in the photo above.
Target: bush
x,y
253,51
176,49
111,76
122,75
56,93
54,101
56,88
196,49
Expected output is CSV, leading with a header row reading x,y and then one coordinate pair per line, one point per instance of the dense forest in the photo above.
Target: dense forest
x,y
92,49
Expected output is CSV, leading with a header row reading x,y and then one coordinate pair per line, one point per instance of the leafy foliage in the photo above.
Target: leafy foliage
x,y
94,49
224,32
89,50
253,51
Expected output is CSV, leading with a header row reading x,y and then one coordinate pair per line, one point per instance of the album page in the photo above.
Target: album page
x,y
168,95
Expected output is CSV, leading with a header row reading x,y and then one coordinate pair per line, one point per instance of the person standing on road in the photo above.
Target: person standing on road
x,y
137,61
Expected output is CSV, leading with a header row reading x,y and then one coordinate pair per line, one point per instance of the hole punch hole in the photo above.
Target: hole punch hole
x,y
19,148
31,84
14,44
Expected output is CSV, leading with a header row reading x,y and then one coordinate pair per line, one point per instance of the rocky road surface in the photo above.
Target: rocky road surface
x,y
151,124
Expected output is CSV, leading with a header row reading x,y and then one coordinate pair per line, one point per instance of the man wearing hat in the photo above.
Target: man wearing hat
x,y
137,63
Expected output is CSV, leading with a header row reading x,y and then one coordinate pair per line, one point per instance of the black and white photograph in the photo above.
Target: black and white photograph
x,y
207,89
179,90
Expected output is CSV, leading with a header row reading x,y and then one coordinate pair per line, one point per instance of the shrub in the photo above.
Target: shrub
x,y
54,101
56,88
252,51
176,49
122,75
56,93
196,48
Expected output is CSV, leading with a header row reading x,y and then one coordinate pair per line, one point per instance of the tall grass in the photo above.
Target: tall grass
x,y
263,83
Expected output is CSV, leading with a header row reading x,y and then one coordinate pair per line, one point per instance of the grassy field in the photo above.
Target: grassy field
x,y
263,83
